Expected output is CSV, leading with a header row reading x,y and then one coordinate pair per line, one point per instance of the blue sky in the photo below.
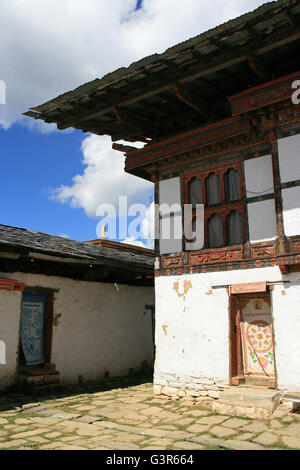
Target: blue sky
x,y
52,48
31,165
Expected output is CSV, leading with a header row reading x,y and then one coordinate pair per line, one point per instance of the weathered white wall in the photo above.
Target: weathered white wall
x,y
98,327
286,313
191,339
291,210
10,314
192,331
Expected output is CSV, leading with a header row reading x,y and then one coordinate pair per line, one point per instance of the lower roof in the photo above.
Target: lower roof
x,y
32,251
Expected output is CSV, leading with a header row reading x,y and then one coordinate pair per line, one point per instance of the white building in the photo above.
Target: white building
x,y
73,311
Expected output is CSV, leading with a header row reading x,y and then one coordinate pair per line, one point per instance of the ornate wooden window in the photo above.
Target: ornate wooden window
x,y
220,190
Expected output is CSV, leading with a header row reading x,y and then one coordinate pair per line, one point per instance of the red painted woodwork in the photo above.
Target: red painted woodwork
x,y
10,284
263,95
186,142
172,262
263,251
248,287
216,256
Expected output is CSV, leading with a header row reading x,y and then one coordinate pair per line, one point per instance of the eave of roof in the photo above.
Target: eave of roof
x,y
109,105
30,243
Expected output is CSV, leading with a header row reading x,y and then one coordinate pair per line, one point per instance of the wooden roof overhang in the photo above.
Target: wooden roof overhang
x,y
246,120
187,86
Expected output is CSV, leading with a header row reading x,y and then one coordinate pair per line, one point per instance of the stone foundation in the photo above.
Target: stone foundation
x,y
191,388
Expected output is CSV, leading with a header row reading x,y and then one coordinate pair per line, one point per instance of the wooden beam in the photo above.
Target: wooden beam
x,y
131,136
290,18
208,67
192,100
155,109
123,148
258,68
135,120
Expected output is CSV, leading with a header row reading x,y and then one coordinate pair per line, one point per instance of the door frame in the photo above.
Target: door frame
x,y
236,370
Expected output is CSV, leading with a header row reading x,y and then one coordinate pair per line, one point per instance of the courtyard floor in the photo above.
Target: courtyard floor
x,y
121,416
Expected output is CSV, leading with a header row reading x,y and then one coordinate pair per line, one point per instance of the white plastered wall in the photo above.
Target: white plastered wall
x,y
286,314
10,314
192,330
98,328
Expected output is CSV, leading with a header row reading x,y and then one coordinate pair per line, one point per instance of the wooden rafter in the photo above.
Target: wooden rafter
x,y
258,67
206,69
290,18
191,99
136,120
82,115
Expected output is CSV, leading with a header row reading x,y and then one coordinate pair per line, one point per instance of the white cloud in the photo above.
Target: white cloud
x,y
103,179
49,47
64,235
147,230
133,241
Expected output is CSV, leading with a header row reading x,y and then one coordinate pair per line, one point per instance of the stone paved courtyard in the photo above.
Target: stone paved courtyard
x,y
128,417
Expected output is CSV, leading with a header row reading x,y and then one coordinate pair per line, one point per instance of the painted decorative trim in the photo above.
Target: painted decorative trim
x,y
200,265
175,262
216,256
12,285
186,142
265,251
263,95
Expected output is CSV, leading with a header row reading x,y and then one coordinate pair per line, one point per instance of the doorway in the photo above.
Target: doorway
x,y
252,341
36,330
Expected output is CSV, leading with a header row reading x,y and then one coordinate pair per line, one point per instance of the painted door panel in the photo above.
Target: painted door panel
x,y
257,336
32,329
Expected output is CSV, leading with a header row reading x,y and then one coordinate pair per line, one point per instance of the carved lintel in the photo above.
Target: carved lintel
x,y
216,257
172,262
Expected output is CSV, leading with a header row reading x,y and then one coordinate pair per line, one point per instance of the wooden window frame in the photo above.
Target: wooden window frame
x,y
222,209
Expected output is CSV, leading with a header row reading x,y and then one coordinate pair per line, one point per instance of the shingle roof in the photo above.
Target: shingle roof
x,y
139,102
29,241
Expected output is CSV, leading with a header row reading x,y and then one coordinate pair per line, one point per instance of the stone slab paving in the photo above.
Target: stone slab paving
x,y
129,417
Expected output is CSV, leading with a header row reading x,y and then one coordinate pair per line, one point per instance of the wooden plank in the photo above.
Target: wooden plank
x,y
248,288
